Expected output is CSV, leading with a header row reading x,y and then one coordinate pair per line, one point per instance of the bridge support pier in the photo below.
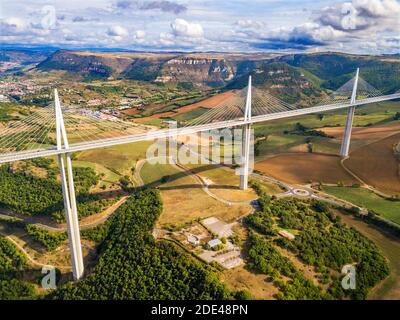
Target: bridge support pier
x,y
68,190
345,147
71,215
244,175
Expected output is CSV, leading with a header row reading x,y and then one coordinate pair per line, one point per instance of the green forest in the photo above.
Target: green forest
x,y
321,241
25,193
12,263
132,265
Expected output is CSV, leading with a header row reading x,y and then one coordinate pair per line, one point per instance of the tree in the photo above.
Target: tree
x,y
124,181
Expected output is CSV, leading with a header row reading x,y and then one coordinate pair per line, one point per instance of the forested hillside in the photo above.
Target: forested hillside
x,y
133,265
12,263
25,193
337,68
322,241
284,81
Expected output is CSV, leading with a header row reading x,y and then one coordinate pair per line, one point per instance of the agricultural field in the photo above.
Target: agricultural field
x,y
376,165
371,123
389,209
305,168
189,111
223,182
257,284
184,199
118,159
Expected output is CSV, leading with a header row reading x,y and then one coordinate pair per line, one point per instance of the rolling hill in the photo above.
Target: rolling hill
x,y
288,83
336,68
209,70
295,77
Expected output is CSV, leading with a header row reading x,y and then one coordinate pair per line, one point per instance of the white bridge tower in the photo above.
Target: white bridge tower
x,y
68,190
344,150
244,174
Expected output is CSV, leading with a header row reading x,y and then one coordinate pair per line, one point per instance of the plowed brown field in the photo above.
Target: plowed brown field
x,y
376,165
207,103
362,136
302,168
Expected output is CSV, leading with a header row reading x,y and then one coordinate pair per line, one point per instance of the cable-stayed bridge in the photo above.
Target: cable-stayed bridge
x,y
34,136
57,130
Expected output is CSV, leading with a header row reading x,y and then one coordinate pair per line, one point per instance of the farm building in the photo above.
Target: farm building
x,y
214,242
192,239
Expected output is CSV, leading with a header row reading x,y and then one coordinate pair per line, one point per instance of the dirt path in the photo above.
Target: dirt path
x,y
138,168
87,223
29,257
204,185
207,190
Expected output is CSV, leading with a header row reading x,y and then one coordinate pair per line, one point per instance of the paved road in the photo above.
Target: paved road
x,y
292,191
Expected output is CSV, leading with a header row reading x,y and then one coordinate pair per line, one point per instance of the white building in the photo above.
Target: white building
x,y
214,242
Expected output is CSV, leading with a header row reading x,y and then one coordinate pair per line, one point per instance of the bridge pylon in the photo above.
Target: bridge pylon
x,y
344,150
68,190
244,174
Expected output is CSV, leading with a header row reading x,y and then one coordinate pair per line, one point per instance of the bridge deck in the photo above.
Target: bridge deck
x,y
151,135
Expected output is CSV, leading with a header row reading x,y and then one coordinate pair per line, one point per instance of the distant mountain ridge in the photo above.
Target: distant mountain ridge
x,y
311,73
207,69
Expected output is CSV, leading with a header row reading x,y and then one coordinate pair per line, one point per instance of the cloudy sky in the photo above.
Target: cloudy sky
x,y
358,26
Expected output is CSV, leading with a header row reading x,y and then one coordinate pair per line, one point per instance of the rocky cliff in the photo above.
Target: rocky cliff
x,y
208,70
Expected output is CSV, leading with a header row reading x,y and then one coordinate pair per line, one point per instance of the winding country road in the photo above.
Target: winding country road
x,y
103,216
29,257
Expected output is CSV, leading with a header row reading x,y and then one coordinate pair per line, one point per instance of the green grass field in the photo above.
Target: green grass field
x,y
366,198
152,174
278,142
109,178
119,159
370,114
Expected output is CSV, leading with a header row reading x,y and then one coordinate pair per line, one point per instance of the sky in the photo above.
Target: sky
x,y
355,26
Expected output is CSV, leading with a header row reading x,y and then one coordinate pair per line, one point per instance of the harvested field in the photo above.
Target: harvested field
x,y
376,165
207,103
362,136
130,112
184,199
302,168
242,279
222,182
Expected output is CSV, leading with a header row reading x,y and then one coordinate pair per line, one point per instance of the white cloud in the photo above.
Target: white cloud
x,y
181,27
139,34
207,25
361,15
167,39
12,26
117,31
250,24
139,37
